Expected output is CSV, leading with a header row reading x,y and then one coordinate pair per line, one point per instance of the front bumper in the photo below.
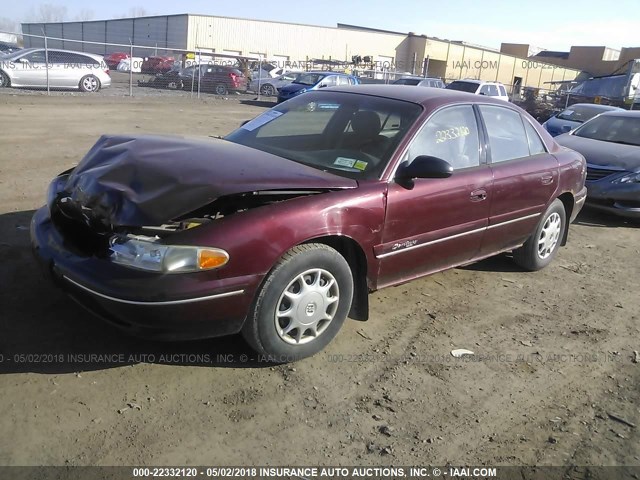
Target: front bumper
x,y
160,306
621,199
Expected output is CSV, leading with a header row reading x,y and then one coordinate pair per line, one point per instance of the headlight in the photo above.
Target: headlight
x,y
145,254
629,178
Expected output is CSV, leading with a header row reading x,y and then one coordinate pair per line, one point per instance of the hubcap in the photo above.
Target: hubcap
x,y
90,84
549,235
307,306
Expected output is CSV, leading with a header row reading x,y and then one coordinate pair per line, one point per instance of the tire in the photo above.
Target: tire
x,y
267,90
285,325
541,248
89,83
220,89
5,81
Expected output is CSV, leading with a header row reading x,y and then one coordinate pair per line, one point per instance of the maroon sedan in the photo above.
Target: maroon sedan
x,y
161,64
282,229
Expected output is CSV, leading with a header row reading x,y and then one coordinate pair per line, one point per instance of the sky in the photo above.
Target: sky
x,y
552,25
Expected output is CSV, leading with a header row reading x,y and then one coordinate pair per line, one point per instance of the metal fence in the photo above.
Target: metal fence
x,y
58,64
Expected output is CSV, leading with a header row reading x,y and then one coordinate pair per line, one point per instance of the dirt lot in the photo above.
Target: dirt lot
x,y
554,349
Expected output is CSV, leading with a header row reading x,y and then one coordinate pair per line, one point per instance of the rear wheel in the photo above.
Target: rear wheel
x,y
301,305
543,245
89,83
220,89
5,81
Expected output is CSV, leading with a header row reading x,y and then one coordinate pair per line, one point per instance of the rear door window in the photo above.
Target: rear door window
x,y
507,137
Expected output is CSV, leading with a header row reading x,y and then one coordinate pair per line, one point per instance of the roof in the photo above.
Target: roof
x,y
551,54
429,97
623,113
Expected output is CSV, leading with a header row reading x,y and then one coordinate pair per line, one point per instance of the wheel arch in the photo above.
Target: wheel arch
x,y
357,260
568,201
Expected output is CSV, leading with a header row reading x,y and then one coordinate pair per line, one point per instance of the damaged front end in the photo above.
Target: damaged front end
x,y
129,194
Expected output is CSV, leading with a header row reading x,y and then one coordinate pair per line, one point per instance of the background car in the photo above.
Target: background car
x,y
420,82
113,59
222,79
480,87
6,47
65,69
269,86
574,116
281,229
310,81
611,144
158,64
130,64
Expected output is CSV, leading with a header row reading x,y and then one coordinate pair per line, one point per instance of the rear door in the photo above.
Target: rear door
x,y
525,177
438,223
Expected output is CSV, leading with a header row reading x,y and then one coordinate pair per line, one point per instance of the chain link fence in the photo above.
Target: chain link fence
x,y
59,64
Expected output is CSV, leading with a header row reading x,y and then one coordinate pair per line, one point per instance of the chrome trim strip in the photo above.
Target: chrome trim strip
x,y
444,239
432,242
513,221
154,304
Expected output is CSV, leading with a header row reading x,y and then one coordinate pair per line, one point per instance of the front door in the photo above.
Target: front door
x,y
438,223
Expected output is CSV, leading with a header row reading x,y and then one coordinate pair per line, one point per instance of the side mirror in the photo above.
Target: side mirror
x,y
24,60
322,85
424,166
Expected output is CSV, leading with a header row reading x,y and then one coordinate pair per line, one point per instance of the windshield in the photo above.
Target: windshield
x,y
309,78
580,113
407,81
611,128
469,87
348,134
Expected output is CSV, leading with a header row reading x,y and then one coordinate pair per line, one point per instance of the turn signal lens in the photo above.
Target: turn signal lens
x,y
208,259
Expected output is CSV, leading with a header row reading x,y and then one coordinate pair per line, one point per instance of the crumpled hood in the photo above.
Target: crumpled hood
x,y
150,180
597,152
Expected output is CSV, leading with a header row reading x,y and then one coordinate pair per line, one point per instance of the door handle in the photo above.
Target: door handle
x,y
546,179
478,195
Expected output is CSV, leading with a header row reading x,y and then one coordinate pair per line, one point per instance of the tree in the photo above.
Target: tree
x,y
138,12
84,15
8,25
47,13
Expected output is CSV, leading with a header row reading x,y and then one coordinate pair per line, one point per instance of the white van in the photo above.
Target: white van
x,y
480,87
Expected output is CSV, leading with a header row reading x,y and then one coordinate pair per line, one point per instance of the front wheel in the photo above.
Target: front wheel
x,y
538,251
302,304
5,81
89,83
